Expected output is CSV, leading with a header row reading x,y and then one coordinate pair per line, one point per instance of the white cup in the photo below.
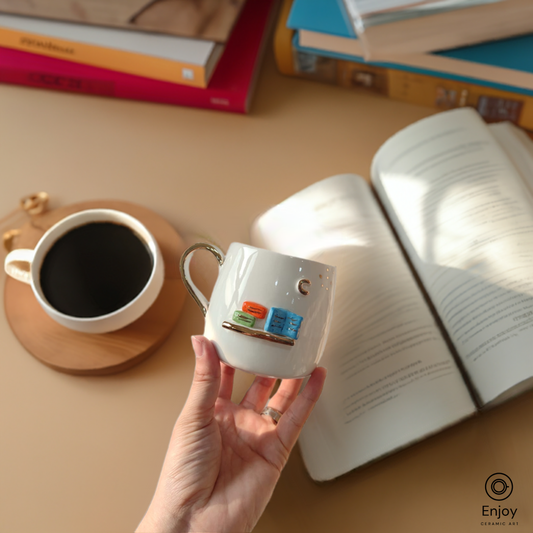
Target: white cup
x,y
269,313
25,265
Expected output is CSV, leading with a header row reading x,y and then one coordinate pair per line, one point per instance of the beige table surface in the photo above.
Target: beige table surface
x,y
82,455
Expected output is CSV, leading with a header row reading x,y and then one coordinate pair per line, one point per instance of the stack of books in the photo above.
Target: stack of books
x,y
317,40
160,54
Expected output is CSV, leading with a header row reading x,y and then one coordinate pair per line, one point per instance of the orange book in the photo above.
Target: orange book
x,y
157,56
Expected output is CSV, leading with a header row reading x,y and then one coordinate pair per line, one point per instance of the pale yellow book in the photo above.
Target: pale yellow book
x,y
162,57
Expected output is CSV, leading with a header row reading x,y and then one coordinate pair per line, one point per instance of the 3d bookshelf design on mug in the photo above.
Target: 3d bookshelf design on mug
x,y
275,324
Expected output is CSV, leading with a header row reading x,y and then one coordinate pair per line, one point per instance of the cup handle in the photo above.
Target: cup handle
x,y
199,298
13,267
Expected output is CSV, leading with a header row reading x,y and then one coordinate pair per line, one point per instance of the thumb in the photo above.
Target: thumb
x,y
200,405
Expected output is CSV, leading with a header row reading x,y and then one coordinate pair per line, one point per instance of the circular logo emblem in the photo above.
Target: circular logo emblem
x,y
499,486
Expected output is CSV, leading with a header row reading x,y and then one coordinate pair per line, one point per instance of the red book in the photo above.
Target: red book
x,y
230,88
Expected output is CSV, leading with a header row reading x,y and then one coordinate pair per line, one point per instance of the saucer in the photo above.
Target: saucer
x,y
87,354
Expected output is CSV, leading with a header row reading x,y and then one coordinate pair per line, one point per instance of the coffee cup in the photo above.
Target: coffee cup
x,y
95,271
269,314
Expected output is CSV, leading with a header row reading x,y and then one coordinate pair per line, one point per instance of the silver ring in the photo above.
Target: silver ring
x,y
272,413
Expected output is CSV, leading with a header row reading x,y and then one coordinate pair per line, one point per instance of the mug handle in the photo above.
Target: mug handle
x,y
199,298
12,264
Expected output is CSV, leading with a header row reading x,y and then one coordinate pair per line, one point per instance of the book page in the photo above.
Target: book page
x,y
518,147
391,378
465,218
400,7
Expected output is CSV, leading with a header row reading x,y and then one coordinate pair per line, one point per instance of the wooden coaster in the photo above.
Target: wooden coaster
x,y
87,354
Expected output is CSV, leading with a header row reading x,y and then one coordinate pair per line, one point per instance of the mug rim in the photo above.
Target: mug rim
x,y
129,221
272,252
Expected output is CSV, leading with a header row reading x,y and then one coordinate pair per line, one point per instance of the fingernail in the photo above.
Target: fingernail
x,y
198,345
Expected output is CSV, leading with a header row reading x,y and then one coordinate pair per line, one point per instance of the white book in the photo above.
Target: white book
x,y
395,27
433,315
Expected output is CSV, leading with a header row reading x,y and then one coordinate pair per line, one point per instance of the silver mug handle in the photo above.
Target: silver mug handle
x,y
199,298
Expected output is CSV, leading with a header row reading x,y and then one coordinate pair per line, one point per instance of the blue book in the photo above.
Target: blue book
x,y
324,16
505,64
283,322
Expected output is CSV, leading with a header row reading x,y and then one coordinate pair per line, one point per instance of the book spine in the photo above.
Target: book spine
x,y
441,93
494,105
109,58
33,70
283,41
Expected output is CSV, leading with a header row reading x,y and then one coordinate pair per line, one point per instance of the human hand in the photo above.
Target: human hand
x,y
224,459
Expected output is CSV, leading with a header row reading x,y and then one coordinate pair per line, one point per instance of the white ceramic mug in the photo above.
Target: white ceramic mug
x,y
269,313
25,265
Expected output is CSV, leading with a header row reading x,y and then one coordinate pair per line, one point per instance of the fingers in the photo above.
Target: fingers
x,y
257,395
285,395
293,419
226,383
206,382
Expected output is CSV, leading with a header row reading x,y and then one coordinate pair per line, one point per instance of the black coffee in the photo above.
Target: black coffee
x,y
95,269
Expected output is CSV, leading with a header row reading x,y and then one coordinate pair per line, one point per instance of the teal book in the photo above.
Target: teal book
x,y
324,16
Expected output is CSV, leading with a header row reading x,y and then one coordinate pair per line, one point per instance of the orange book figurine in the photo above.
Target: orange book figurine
x,y
257,310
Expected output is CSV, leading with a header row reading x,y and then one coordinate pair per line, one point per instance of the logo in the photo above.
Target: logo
x,y
499,486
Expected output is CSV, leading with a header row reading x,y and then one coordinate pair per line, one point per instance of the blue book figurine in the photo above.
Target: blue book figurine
x,y
283,322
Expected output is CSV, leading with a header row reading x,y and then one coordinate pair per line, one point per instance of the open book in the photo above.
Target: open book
x,y
433,316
